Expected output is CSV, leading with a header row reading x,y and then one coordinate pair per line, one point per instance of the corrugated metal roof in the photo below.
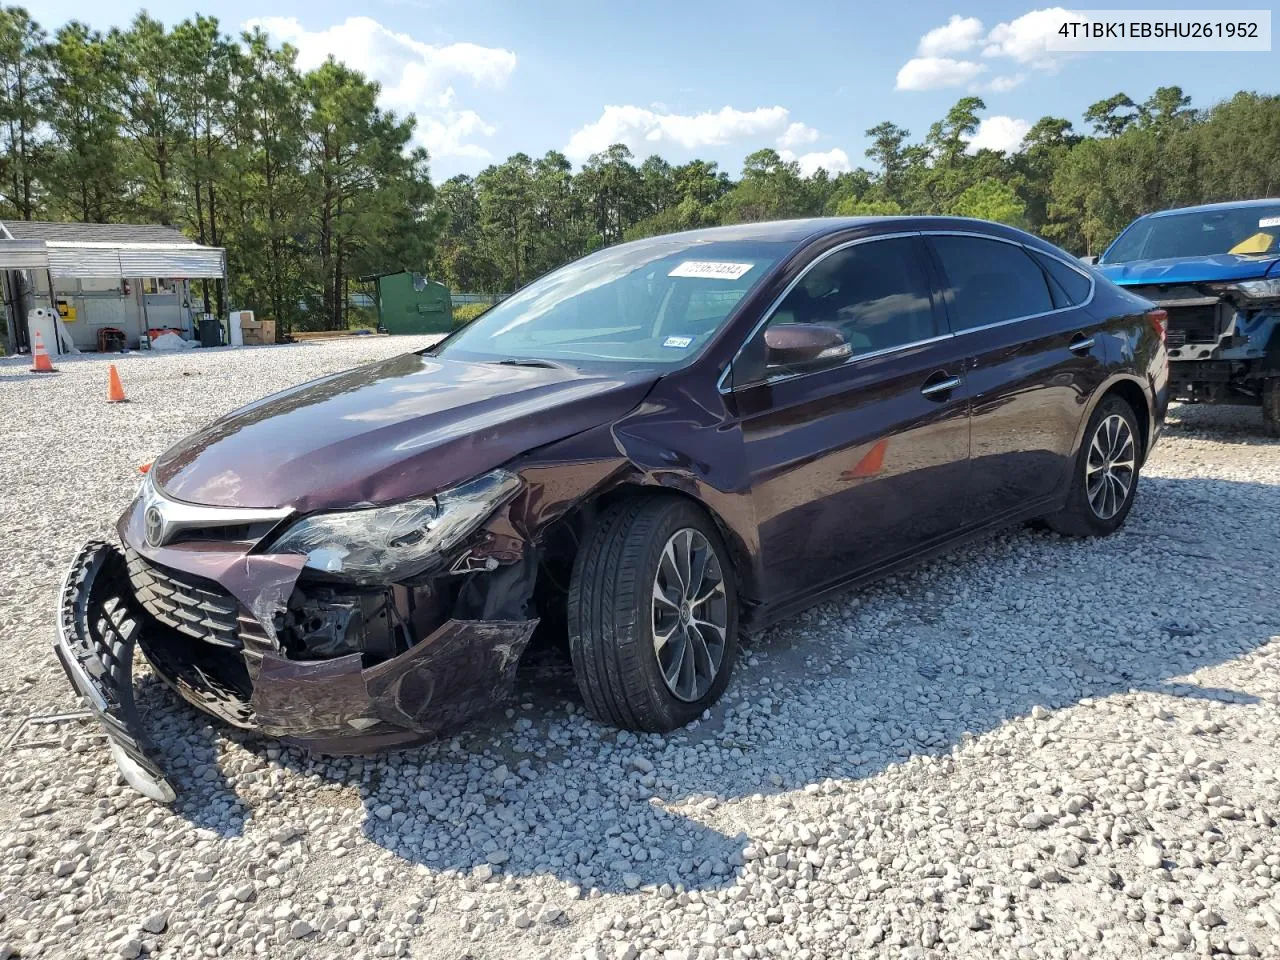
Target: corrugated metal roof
x,y
189,263
82,262
99,232
135,260
23,255
107,250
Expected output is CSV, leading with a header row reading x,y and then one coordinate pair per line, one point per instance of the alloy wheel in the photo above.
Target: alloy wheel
x,y
1110,467
690,614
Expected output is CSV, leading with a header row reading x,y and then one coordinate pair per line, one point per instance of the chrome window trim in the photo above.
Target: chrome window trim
x,y
725,390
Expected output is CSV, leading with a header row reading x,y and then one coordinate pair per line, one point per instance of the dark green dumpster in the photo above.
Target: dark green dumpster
x,y
410,303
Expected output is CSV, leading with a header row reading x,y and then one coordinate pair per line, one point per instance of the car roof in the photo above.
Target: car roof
x,y
814,227
1203,207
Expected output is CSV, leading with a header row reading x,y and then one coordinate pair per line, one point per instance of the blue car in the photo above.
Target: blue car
x,y
1216,270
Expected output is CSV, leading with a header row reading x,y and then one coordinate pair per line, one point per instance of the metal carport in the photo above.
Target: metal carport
x,y
133,277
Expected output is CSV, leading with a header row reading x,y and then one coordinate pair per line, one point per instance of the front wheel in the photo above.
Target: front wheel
x,y
653,614
1105,477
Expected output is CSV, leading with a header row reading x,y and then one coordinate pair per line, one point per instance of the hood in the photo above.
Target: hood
x,y
403,428
1220,266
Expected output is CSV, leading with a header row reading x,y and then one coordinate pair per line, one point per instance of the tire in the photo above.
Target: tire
x,y
1086,516
613,626
1271,405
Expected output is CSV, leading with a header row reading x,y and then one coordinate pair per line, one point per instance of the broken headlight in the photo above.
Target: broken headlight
x,y
1259,289
394,543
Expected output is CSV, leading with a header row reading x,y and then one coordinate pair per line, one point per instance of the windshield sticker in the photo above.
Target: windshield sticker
x,y
680,342
711,269
1269,222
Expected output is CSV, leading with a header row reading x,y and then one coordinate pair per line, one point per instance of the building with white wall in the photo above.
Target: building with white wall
x,y
127,277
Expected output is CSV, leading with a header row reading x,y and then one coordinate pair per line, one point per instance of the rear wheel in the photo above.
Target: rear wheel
x,y
1105,477
652,615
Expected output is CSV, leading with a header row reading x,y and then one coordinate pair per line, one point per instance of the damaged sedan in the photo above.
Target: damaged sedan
x,y
644,455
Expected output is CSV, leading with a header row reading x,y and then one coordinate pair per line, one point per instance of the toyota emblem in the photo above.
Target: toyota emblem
x,y
155,526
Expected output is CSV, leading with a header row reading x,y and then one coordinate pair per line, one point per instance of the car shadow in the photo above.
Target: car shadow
x,y
1220,423
538,788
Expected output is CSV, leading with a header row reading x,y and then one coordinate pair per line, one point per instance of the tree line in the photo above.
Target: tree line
x,y
310,185
304,180
520,218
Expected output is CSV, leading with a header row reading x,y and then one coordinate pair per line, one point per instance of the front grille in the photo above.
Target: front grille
x,y
1175,338
232,533
192,605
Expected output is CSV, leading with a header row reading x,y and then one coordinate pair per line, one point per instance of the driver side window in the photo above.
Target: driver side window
x,y
876,294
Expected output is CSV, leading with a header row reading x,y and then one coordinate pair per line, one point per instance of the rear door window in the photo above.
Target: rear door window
x,y
989,281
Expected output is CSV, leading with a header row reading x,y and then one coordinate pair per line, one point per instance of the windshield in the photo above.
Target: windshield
x,y
654,302
1244,230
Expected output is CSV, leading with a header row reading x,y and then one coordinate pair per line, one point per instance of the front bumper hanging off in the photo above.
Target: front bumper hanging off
x,y
97,632
334,706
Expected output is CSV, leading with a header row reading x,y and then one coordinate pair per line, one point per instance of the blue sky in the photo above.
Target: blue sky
x,y
491,77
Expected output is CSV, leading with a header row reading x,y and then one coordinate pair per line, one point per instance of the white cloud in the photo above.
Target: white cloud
x,y
449,134
833,161
416,77
797,135
999,133
642,129
956,36
931,73
1006,83
1025,39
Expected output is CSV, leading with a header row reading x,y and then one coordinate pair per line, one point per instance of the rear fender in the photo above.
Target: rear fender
x,y
1106,387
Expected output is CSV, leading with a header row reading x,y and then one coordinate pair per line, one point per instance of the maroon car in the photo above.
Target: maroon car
x,y
652,450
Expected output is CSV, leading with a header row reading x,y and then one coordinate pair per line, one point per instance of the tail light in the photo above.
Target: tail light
x,y
1159,320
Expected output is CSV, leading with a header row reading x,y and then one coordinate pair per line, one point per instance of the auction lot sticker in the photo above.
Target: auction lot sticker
x,y
710,269
1078,31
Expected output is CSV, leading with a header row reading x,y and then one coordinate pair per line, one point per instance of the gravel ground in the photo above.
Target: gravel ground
x,y
1030,748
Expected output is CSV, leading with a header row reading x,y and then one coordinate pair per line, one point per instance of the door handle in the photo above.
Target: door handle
x,y
1081,344
937,388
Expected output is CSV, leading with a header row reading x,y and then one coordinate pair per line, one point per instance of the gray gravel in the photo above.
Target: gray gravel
x,y
1030,748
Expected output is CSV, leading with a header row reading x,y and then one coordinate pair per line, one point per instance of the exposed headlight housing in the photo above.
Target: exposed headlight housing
x,y
1260,289
394,543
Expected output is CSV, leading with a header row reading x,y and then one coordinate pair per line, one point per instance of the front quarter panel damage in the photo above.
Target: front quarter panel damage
x,y
462,661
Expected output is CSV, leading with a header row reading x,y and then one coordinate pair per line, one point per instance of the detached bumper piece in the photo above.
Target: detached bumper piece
x,y
97,629
335,705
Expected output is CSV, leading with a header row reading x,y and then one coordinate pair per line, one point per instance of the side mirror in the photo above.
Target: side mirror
x,y
802,344
1090,260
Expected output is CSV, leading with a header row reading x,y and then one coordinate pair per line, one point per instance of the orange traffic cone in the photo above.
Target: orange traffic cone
x,y
115,389
40,356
